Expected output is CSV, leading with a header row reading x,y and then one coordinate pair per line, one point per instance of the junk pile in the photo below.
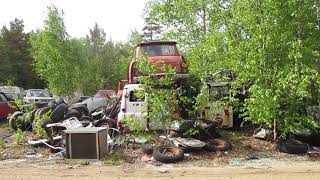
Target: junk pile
x,y
172,148
51,120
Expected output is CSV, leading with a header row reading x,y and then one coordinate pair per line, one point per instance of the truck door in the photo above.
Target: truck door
x,y
137,104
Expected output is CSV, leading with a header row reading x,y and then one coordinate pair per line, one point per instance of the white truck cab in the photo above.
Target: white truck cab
x,y
134,104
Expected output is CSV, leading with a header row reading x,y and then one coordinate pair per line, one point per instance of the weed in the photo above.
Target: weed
x,y
20,136
115,159
2,144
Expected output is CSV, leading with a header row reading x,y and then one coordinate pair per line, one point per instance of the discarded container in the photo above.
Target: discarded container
x,y
86,143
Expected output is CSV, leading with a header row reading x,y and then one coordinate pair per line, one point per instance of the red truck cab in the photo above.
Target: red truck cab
x,y
158,52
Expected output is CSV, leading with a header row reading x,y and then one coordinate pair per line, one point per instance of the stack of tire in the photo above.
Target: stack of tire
x,y
58,109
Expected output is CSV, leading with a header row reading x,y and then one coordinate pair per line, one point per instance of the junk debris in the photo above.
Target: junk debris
x,y
262,133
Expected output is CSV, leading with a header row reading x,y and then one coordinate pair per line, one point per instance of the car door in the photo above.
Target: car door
x,y
4,107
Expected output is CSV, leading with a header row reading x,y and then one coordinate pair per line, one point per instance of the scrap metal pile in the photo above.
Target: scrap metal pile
x,y
57,116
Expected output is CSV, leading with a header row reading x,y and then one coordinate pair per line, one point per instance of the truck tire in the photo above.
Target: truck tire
x,y
106,122
168,154
147,150
58,113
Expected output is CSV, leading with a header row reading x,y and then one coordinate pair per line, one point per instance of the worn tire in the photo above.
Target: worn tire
x,y
109,123
72,113
58,113
176,154
13,120
214,145
292,146
147,150
21,122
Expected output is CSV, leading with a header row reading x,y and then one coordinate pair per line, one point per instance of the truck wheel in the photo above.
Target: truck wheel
x,y
168,154
108,123
58,113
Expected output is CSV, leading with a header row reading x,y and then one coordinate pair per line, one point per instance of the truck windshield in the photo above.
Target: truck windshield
x,y
159,50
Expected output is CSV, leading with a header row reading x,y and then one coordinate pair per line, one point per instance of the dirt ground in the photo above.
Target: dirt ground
x,y
292,171
249,159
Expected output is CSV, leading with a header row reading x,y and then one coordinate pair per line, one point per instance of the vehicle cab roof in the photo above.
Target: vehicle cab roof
x,y
156,43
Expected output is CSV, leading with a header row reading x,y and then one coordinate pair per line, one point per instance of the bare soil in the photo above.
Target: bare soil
x,y
249,159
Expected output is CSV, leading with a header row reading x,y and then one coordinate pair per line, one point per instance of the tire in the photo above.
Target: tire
x,y
21,122
58,113
72,113
52,105
43,111
176,154
109,123
86,118
214,145
292,146
13,120
147,150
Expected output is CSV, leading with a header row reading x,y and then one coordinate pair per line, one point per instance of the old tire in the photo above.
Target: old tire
x,y
58,113
147,150
72,113
13,120
168,154
217,144
108,123
292,146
